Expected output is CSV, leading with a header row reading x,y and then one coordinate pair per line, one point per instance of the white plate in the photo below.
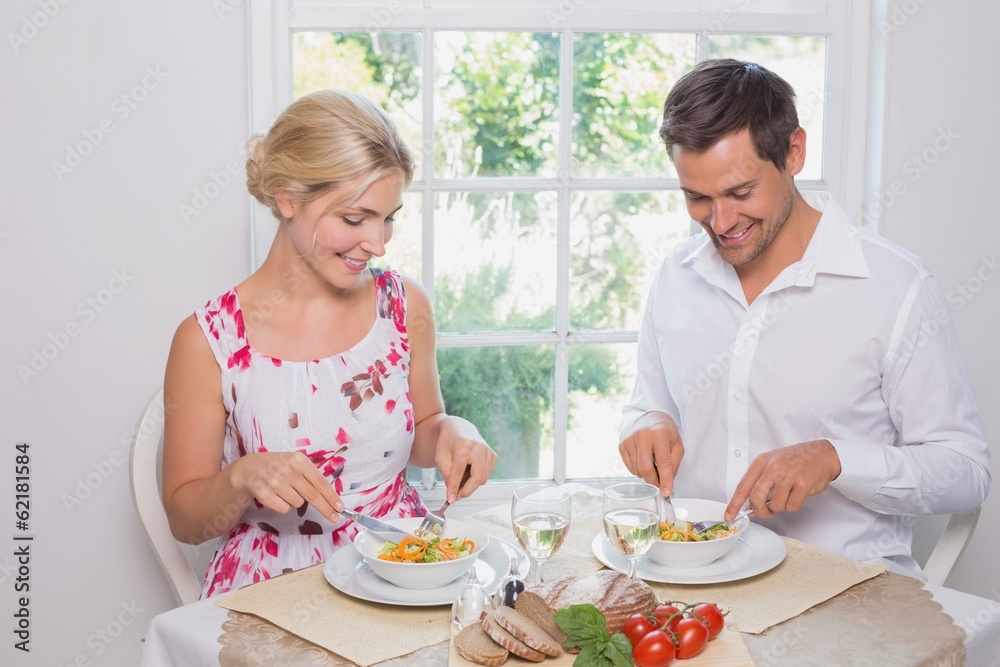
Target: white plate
x,y
757,551
347,572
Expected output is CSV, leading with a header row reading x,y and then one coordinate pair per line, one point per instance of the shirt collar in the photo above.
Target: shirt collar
x,y
835,248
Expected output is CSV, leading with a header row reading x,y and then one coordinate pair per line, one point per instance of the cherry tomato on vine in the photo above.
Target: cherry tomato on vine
x,y
636,627
663,612
654,650
712,615
692,635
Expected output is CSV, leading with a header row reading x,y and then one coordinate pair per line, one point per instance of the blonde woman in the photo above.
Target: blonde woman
x,y
310,385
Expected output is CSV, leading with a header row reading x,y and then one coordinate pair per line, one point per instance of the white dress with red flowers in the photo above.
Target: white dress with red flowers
x,y
350,414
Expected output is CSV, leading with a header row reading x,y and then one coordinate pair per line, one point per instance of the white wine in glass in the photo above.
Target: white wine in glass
x,y
631,519
540,514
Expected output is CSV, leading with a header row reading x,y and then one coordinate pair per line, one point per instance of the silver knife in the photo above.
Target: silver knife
x,y
373,524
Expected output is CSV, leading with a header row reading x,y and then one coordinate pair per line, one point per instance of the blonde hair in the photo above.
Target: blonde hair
x,y
321,141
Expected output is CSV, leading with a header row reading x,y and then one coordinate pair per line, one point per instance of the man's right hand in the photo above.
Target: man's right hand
x,y
653,451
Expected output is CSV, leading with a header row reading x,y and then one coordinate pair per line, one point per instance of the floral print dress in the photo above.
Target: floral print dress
x,y
350,414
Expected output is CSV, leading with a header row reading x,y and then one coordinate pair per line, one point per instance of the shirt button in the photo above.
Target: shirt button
x,y
737,396
738,453
746,340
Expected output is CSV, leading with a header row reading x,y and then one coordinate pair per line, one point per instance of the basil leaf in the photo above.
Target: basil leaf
x,y
592,655
584,623
618,650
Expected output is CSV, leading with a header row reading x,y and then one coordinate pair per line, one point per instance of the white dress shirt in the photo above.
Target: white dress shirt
x,y
853,344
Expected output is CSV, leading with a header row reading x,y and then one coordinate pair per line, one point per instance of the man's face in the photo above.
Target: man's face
x,y
740,200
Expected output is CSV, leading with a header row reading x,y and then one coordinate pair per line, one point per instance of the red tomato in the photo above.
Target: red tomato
x,y
636,627
692,635
663,612
712,615
654,650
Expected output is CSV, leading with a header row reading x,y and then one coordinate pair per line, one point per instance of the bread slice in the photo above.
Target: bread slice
x,y
617,596
473,644
533,606
526,630
509,642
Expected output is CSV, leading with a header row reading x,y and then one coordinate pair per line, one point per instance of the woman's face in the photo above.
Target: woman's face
x,y
338,242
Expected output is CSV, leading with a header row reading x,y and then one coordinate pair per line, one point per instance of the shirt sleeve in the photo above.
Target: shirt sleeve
x,y
651,391
940,462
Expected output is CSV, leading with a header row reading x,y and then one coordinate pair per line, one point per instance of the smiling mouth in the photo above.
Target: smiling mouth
x,y
733,239
354,262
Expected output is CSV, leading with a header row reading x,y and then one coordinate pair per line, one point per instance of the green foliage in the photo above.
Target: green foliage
x,y
603,265
620,81
503,96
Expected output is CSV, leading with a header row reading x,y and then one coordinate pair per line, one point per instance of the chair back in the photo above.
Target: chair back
x,y
950,547
144,478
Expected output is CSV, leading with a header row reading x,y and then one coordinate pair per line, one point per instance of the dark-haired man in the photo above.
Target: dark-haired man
x,y
787,357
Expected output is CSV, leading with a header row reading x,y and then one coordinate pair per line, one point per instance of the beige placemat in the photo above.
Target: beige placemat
x,y
807,576
305,604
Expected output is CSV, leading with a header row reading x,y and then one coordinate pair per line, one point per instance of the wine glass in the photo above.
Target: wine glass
x,y
631,519
540,514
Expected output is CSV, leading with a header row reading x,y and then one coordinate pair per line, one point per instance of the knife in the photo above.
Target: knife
x,y
373,524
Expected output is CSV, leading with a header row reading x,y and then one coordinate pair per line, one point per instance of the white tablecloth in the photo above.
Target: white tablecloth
x,y
189,636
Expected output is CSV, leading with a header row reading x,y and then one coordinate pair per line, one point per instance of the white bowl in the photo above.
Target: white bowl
x,y
420,575
695,554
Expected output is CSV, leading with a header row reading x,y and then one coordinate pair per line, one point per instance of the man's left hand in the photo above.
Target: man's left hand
x,y
781,480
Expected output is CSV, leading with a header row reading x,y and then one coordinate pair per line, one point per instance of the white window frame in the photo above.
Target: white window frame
x,y
845,23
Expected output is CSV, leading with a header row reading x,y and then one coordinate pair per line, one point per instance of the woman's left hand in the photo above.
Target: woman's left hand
x,y
460,446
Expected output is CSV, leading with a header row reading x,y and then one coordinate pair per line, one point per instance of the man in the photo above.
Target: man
x,y
787,357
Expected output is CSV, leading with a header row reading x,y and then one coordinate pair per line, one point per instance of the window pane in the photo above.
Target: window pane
x,y
497,108
507,393
495,261
600,381
799,60
619,83
382,66
618,241
403,250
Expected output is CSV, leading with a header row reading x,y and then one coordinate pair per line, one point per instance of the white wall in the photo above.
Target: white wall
x,y
62,241
944,87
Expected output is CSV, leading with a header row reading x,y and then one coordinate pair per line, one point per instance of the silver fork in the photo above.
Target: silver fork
x,y
433,522
703,525
667,513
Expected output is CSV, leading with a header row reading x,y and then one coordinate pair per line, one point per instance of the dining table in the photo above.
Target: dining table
x,y
787,603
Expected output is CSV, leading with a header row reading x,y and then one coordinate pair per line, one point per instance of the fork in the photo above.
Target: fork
x,y
667,513
703,525
433,522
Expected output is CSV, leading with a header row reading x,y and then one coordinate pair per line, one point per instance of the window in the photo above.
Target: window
x,y
543,200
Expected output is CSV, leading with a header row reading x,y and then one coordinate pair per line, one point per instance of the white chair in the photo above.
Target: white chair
x,y
950,547
144,478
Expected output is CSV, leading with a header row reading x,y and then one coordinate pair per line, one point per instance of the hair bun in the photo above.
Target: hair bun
x,y
255,155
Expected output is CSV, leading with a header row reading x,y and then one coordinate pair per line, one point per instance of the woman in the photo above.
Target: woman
x,y
310,386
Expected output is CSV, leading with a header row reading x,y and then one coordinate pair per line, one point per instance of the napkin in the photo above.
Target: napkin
x,y
306,605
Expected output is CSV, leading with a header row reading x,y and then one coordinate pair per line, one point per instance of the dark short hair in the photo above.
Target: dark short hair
x,y
723,96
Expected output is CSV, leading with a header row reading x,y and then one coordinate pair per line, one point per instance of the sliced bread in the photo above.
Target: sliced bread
x,y
533,606
509,642
473,644
617,596
526,630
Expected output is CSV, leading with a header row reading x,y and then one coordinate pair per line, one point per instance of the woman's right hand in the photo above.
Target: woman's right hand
x,y
282,481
